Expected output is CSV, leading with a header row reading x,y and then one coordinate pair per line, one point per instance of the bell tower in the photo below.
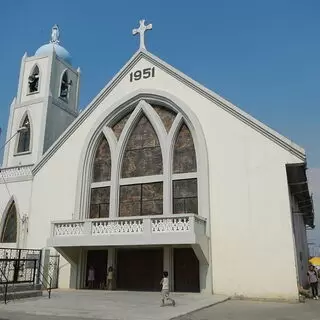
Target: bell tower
x,y
45,105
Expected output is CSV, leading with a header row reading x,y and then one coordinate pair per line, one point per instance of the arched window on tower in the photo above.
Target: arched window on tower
x,y
24,136
9,230
64,87
33,80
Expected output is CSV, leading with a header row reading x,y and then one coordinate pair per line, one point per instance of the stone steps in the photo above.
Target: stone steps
x,y
20,291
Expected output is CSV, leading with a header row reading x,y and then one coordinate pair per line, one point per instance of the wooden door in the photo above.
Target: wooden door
x,y
186,270
139,269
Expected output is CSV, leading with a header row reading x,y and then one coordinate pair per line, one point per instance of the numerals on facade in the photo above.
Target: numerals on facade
x,y
142,74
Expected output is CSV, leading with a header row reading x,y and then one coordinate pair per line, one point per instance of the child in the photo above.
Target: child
x,y
313,281
91,277
165,289
110,278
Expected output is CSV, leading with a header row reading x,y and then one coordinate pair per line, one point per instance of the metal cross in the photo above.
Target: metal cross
x,y
141,30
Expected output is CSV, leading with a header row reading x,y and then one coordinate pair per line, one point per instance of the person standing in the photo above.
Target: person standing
x,y
110,278
165,289
313,281
91,277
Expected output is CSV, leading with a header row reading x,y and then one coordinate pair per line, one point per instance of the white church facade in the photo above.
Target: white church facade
x,y
156,173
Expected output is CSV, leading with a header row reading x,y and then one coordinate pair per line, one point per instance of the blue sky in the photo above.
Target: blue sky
x,y
264,56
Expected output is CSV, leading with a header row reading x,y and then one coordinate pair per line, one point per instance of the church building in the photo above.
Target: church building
x,y
156,173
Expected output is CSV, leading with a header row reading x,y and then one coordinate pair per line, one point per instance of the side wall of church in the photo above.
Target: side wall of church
x,y
250,218
20,192
58,119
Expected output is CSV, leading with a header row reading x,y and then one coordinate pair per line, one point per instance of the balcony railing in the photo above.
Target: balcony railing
x,y
18,172
183,228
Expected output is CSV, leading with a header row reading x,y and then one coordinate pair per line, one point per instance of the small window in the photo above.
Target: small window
x,y
99,205
185,196
24,136
33,80
64,88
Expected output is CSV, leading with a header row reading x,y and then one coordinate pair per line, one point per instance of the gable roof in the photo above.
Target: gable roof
x,y
210,95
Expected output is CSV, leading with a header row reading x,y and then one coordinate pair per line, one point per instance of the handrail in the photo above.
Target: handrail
x,y
42,280
5,286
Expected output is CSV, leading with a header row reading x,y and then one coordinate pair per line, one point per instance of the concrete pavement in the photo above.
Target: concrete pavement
x,y
253,310
116,305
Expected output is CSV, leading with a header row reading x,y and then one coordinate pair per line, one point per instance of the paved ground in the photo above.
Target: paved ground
x,y
252,310
84,304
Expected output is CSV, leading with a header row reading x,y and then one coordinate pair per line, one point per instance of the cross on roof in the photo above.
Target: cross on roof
x,y
141,30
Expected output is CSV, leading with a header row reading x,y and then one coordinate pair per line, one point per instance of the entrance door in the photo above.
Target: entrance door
x,y
98,259
139,269
186,270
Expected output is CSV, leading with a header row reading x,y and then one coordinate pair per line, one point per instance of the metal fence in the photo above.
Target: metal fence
x,y
20,265
18,271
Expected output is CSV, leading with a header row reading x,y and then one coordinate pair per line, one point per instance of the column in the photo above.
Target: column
x,y
112,263
168,264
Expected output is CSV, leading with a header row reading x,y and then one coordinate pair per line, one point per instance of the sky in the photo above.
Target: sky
x,y
264,56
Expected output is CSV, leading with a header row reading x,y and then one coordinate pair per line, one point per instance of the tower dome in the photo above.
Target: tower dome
x,y
53,45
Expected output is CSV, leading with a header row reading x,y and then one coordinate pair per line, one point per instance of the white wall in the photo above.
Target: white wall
x,y
251,232
20,192
57,120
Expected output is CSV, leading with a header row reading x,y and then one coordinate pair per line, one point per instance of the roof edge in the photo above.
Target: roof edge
x,y
228,106
210,95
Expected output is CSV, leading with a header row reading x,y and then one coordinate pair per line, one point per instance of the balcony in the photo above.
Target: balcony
x,y
178,229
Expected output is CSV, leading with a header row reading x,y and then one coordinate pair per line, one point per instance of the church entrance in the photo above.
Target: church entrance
x,y
97,259
186,270
139,269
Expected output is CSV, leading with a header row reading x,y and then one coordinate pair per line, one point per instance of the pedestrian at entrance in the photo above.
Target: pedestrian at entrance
x,y
91,277
165,290
313,281
110,278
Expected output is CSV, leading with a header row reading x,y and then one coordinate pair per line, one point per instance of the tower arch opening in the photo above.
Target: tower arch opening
x,y
24,136
34,80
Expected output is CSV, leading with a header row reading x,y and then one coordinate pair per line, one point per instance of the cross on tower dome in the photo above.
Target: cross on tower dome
x,y
141,30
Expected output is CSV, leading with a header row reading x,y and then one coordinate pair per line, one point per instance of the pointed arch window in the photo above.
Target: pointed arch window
x,y
118,127
142,184
9,231
185,190
64,87
101,176
184,155
24,136
166,115
33,80
142,156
